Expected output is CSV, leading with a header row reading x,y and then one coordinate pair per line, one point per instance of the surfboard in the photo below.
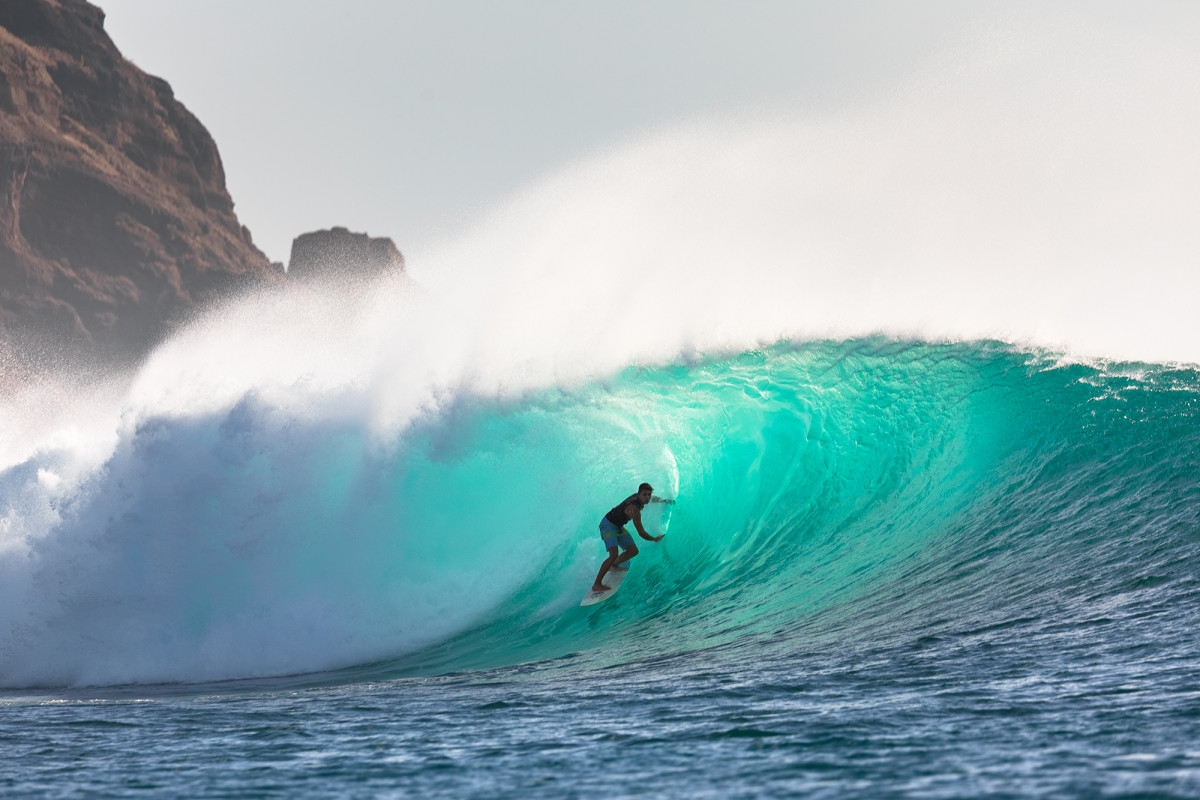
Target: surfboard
x,y
612,580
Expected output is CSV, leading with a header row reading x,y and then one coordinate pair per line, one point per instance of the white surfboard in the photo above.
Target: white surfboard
x,y
612,580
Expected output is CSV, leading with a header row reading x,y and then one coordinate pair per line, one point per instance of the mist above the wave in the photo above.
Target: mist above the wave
x,y
1034,186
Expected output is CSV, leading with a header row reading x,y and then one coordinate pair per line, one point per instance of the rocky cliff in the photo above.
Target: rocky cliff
x,y
114,216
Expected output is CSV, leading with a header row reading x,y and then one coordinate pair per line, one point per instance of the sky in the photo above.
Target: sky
x,y
411,119
407,119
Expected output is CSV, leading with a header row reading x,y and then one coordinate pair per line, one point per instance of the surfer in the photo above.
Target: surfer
x,y
612,531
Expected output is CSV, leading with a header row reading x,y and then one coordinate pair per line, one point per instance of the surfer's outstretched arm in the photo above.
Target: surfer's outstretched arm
x,y
636,516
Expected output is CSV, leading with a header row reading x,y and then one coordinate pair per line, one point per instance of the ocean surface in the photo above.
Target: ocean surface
x,y
895,568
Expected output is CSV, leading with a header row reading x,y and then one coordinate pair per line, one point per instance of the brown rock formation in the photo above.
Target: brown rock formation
x,y
114,216
338,253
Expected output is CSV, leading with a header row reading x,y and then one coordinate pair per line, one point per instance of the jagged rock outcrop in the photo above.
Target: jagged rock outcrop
x,y
339,253
114,215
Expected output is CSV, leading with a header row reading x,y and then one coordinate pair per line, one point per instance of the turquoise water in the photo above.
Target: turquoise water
x,y
895,567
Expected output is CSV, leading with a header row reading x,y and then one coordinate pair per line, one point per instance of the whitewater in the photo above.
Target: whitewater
x,y
921,375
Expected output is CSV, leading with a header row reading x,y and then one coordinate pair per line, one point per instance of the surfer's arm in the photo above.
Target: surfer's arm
x,y
635,514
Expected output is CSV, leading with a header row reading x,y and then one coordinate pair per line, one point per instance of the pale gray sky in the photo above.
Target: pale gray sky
x,y
407,118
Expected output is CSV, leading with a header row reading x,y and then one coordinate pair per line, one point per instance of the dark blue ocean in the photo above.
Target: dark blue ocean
x,y
895,568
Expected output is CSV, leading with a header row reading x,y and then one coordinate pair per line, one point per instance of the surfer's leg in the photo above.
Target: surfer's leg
x,y
628,546
599,586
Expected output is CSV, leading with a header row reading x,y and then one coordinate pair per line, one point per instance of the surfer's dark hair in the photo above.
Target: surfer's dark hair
x,y
645,487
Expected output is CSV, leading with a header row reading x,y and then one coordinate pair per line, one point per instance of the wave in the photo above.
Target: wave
x,y
825,488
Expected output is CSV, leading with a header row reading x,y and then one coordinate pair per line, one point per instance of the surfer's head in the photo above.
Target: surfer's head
x,y
645,492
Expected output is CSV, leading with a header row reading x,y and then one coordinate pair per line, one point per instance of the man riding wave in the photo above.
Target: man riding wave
x,y
612,531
